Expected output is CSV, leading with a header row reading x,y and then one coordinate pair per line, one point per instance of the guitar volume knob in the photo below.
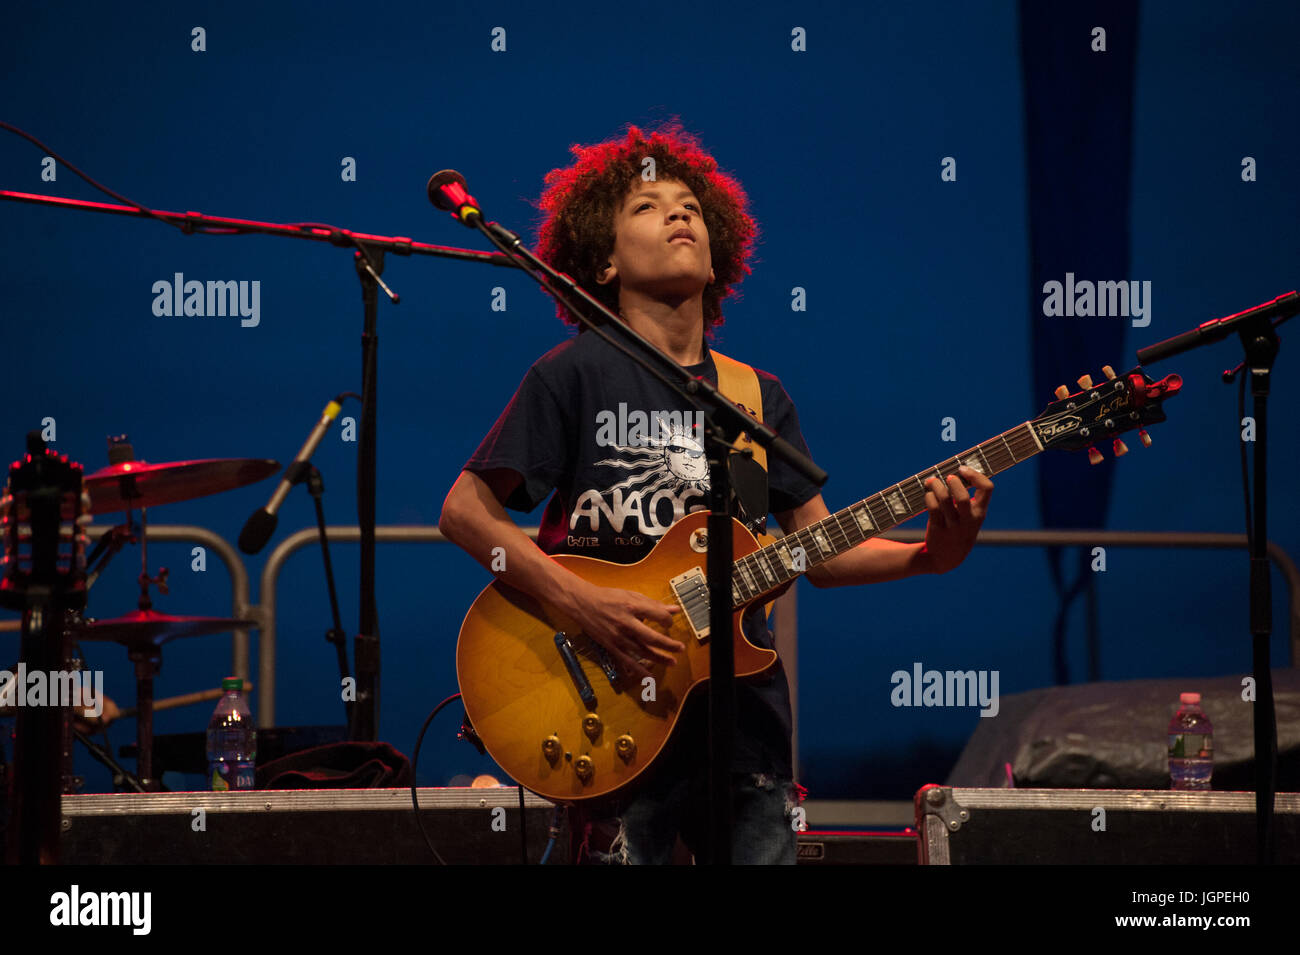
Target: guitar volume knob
x,y
591,725
584,768
625,747
551,749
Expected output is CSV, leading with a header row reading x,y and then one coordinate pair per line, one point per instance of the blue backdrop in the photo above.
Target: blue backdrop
x,y
916,303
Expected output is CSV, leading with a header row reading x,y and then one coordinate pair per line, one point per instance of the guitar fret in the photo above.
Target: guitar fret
x,y
832,533
880,512
804,541
852,536
921,485
818,534
995,456
862,515
897,501
783,552
748,576
1009,451
914,505
772,557
744,580
839,524
1030,441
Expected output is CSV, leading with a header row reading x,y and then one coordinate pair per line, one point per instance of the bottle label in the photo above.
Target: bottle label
x,y
1191,746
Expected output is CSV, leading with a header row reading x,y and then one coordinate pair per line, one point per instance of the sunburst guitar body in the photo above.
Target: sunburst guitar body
x,y
568,737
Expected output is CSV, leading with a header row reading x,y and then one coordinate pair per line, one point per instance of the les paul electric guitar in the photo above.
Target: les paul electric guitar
x,y
554,711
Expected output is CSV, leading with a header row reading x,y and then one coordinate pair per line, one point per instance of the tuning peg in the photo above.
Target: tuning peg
x,y
1085,382
1146,438
1094,456
1062,392
1120,447
1108,371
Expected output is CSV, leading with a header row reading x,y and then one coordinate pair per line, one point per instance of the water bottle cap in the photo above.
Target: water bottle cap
x,y
235,683
1189,697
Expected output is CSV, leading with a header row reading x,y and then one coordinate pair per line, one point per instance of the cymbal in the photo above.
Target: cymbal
x,y
149,627
133,484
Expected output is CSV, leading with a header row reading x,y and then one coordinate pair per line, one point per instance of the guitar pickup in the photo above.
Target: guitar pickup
x,y
570,657
692,592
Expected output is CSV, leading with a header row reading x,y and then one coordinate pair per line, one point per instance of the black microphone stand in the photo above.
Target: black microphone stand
x,y
724,422
308,473
1255,327
363,720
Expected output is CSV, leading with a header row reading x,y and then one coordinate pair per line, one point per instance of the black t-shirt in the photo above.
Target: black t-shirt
x,y
622,454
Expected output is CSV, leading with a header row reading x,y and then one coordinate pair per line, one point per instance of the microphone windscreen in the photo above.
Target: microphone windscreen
x,y
437,181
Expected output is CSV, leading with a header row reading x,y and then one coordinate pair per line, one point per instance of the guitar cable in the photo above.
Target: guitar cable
x,y
523,815
415,767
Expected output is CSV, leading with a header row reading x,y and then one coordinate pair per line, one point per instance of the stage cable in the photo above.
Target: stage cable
x,y
415,766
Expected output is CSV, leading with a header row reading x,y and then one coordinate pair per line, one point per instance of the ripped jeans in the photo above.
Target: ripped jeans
x,y
643,829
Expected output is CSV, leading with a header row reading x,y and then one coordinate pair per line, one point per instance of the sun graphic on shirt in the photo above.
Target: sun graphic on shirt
x,y
674,459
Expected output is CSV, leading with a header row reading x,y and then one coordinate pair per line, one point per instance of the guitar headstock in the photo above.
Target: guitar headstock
x,y
1105,410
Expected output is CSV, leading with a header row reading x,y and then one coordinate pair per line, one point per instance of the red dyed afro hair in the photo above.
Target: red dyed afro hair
x,y
576,234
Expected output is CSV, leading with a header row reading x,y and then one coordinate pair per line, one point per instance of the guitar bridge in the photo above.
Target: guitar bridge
x,y
692,592
606,664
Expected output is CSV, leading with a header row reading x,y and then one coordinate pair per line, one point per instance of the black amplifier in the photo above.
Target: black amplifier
x,y
1098,827
312,827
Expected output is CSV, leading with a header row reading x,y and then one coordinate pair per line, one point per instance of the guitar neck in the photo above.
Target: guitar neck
x,y
769,567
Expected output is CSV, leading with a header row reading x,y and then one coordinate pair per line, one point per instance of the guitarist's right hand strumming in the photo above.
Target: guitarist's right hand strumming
x,y
614,619
474,519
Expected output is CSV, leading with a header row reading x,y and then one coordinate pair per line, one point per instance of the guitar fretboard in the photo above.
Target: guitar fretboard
x,y
771,566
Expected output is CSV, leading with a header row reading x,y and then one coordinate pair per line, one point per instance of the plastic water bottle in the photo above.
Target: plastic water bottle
x,y
232,740
1191,745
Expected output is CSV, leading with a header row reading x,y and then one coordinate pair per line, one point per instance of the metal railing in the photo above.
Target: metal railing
x,y
263,614
993,538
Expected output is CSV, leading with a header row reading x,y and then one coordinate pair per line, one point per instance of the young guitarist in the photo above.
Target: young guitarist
x,y
619,450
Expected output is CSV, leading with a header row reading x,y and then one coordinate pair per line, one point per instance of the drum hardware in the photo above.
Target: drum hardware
x,y
127,484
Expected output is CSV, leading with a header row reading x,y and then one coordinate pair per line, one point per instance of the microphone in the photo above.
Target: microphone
x,y
261,524
447,192
1284,306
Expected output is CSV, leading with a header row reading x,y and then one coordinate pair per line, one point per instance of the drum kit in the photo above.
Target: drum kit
x,y
128,485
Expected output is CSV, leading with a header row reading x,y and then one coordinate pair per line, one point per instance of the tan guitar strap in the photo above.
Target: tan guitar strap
x,y
739,383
